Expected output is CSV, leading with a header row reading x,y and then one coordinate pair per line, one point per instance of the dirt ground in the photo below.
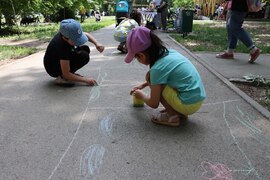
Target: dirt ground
x,y
257,93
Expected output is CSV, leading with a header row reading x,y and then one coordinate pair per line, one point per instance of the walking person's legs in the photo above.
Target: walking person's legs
x,y
231,39
164,16
158,20
236,31
267,12
236,28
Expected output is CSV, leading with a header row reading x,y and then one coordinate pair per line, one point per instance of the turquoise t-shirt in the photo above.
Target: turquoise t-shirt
x,y
178,72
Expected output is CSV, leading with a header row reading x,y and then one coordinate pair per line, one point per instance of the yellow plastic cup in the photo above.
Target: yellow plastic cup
x,y
137,102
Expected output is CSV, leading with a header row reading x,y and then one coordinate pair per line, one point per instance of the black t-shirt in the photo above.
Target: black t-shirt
x,y
57,50
239,5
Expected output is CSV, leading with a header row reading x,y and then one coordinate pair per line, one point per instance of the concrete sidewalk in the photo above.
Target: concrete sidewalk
x,y
238,67
228,70
52,132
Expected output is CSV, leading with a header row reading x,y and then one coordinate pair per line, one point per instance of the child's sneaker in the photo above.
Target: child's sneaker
x,y
225,55
63,82
254,55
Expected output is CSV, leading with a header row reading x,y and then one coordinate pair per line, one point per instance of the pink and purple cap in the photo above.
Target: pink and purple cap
x,y
138,40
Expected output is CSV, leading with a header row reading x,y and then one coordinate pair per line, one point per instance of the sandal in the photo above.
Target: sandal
x,y
165,119
163,110
181,116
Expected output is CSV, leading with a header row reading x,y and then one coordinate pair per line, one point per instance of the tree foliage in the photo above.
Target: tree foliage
x,y
186,4
12,9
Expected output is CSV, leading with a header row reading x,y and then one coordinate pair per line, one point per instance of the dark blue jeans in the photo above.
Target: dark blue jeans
x,y
236,30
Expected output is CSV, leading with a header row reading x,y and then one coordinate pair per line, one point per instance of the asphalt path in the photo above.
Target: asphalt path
x,y
82,132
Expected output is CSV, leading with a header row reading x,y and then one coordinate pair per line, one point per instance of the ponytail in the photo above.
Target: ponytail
x,y
157,49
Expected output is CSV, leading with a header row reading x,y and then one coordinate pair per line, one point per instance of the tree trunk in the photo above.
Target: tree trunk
x,y
9,18
0,21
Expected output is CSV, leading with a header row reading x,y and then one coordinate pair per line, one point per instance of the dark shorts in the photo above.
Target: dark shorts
x,y
79,58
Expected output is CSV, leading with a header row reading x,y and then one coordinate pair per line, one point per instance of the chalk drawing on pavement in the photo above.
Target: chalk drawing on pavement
x,y
93,96
91,160
216,171
106,125
96,89
249,168
253,130
219,171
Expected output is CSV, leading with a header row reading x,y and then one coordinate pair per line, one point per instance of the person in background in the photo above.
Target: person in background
x,y
216,12
239,10
267,11
97,16
66,53
227,8
135,15
157,18
220,10
82,13
173,79
151,6
163,9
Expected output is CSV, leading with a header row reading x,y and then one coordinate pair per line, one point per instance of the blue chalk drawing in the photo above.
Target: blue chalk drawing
x,y
249,168
91,160
105,125
95,93
93,96
253,130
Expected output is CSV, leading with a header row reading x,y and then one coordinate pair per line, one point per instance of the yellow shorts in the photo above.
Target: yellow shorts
x,y
170,95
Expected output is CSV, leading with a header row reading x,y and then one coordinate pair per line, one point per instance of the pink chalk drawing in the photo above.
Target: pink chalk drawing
x,y
216,171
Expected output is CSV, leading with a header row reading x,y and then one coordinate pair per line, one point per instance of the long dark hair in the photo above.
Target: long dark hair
x,y
157,49
137,16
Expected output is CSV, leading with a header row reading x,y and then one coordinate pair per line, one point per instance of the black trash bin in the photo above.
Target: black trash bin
x,y
186,21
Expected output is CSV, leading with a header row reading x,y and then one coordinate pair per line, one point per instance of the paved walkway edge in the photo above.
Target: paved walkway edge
x,y
14,61
253,103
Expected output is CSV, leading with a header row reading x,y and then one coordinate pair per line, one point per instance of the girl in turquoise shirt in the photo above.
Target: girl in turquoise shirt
x,y
173,79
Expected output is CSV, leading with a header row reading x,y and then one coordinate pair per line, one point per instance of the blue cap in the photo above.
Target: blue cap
x,y
72,30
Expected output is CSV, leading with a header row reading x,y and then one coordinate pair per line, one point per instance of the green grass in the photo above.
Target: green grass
x,y
44,32
91,25
14,52
212,36
47,31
